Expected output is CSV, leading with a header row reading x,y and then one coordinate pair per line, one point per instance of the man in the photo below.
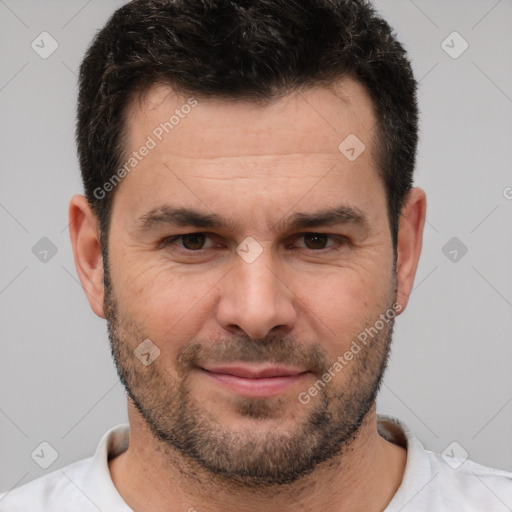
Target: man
x,y
250,232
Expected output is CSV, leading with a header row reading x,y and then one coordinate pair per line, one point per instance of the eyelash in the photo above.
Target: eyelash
x,y
169,243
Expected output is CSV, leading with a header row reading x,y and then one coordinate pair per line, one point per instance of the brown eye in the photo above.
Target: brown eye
x,y
315,240
193,241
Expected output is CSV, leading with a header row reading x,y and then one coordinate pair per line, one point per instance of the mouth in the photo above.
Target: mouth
x,y
255,380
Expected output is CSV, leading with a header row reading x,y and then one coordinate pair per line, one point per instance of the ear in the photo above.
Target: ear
x,y
410,241
85,239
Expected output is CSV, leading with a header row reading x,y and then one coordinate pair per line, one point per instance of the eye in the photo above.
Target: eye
x,y
318,241
190,242
315,240
197,242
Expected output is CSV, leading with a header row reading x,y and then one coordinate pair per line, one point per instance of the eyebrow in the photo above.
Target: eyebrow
x,y
184,217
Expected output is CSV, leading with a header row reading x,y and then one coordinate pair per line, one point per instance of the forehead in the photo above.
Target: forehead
x,y
217,154
313,121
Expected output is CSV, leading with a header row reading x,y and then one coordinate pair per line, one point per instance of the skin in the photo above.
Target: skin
x,y
254,166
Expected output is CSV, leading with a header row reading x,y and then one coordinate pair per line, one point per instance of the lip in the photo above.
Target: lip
x,y
255,380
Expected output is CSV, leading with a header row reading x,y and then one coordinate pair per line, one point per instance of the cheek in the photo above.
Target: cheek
x,y
164,303
344,302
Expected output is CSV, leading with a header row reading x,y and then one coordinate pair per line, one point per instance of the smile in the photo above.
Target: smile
x,y
255,381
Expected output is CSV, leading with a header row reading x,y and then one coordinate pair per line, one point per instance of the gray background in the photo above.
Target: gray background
x,y
450,377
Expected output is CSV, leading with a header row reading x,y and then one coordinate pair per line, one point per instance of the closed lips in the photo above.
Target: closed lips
x,y
248,372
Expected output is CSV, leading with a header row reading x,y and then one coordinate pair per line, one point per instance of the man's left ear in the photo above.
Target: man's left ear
x,y
410,241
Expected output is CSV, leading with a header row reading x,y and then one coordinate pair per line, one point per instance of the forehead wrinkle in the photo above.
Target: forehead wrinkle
x,y
253,166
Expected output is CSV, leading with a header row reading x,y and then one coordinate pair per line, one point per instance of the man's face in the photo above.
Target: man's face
x,y
246,326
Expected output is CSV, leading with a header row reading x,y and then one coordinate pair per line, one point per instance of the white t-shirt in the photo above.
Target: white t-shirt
x,y
431,483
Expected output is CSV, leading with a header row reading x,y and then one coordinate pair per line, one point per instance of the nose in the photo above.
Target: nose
x,y
256,299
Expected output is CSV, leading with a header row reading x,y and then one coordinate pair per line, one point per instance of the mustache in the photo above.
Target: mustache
x,y
271,349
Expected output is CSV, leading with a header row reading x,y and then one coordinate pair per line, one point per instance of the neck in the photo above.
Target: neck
x,y
149,473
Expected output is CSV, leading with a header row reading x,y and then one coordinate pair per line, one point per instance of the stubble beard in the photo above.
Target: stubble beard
x,y
257,458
